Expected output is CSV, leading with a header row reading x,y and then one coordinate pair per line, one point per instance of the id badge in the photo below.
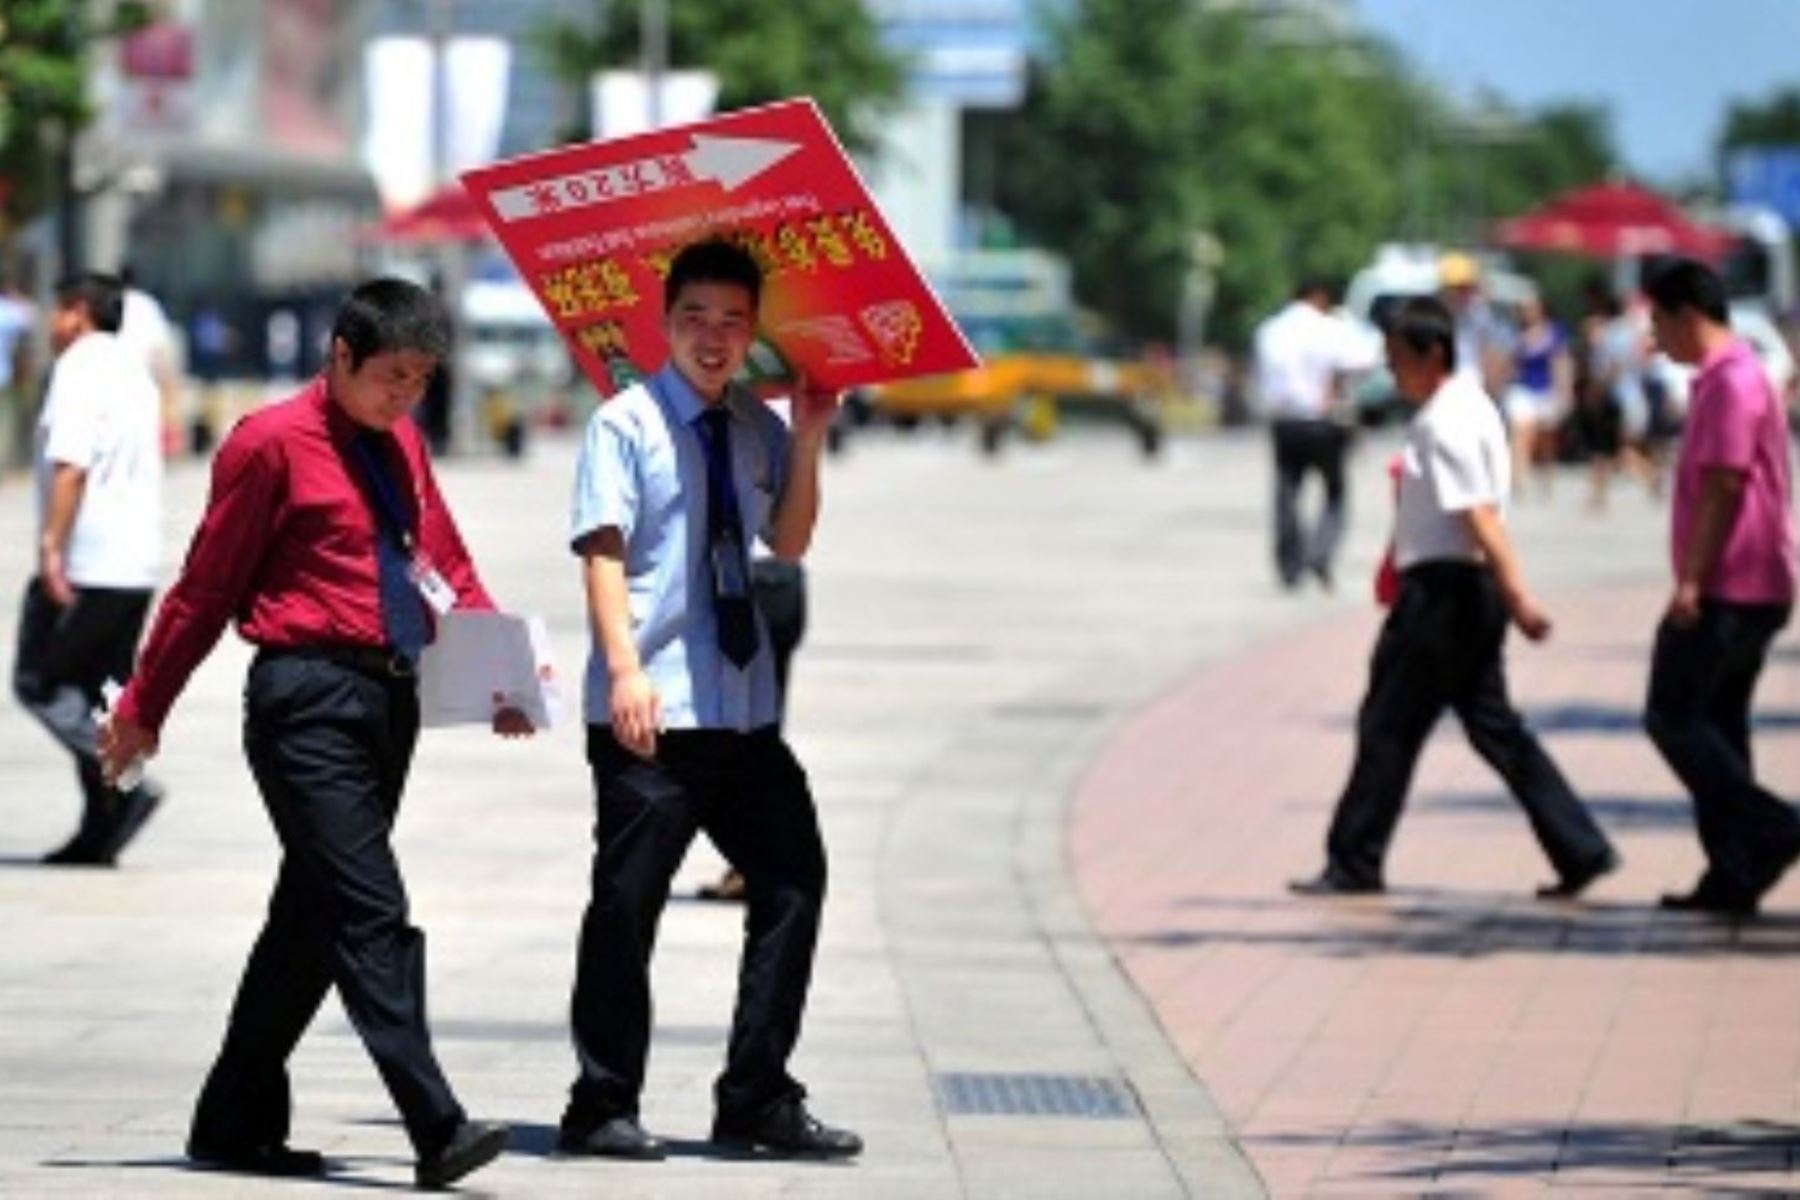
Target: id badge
x,y
440,595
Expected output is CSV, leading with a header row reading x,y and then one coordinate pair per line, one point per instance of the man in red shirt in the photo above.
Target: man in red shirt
x,y
1732,550
326,540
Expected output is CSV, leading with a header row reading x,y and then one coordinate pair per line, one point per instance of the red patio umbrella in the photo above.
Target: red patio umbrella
x,y
1611,220
447,215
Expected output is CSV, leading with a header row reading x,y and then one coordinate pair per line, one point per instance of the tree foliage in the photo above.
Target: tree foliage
x,y
1150,121
44,48
761,52
1774,121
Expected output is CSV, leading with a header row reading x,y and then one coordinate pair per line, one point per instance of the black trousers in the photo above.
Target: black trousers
x,y
1442,647
1698,714
780,591
64,656
330,747
750,795
1301,448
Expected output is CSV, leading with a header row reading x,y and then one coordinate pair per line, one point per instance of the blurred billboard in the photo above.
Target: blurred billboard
x,y
1767,177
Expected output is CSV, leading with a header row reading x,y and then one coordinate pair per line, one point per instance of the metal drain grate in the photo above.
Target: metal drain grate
x,y
1086,1097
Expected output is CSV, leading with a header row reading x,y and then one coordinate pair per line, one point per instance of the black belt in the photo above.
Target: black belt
x,y
378,662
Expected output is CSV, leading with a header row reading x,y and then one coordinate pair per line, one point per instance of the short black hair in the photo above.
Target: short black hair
x,y
102,295
1684,283
386,315
713,260
1319,285
1422,323
1597,292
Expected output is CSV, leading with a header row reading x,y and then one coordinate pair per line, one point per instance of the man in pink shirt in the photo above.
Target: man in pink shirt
x,y
1734,561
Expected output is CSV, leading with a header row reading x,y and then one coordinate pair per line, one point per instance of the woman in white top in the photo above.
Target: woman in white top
x,y
1443,643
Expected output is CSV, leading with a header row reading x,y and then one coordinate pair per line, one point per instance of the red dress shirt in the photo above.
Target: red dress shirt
x,y
287,547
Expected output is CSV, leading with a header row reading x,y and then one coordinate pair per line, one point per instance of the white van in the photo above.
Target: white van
x,y
513,347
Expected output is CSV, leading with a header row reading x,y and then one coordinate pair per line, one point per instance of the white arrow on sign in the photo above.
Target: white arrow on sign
x,y
728,161
732,161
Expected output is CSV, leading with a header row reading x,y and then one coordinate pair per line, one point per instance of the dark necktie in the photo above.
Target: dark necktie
x,y
403,616
728,565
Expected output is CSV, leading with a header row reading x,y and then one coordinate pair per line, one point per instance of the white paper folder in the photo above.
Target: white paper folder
x,y
485,661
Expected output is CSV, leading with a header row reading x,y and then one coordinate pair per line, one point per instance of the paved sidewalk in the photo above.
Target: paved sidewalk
x,y
956,677
1455,1037
980,633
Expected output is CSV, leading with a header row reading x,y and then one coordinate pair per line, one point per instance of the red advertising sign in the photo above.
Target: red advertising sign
x,y
593,228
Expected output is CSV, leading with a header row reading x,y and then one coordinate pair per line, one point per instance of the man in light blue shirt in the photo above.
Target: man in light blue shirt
x,y
677,477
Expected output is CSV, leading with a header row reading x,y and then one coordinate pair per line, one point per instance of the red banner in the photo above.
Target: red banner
x,y
593,228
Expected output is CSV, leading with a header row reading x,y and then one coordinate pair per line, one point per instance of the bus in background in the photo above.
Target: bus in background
x,y
1041,361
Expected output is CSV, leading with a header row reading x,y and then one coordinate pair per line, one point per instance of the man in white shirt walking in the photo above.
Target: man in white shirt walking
x,y
99,485
1304,355
1443,643
144,329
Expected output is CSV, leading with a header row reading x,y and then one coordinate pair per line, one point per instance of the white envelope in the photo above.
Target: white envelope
x,y
484,661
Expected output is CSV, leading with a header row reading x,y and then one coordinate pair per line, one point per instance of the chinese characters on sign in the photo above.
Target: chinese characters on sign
x,y
593,229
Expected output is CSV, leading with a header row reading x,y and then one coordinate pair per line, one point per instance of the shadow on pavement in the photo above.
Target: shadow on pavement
x,y
1611,718
1473,925
339,1172
1695,1156
539,1141
1588,718
1612,811
17,861
1583,717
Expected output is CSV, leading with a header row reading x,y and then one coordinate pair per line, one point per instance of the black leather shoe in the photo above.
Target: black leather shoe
x,y
786,1127
616,1137
135,808
1714,902
273,1159
101,845
1781,857
474,1145
82,850
1331,882
1573,884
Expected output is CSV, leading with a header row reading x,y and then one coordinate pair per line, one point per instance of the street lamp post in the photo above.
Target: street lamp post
x,y
452,256
1198,286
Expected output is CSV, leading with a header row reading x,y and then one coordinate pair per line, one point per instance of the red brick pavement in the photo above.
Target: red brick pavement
x,y
1455,1036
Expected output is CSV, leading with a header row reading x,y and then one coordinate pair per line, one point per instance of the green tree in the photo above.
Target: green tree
x,y
1153,120
1774,121
44,48
762,52
1150,120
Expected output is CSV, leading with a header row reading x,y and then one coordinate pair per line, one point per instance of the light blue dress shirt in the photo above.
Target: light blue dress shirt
x,y
642,470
